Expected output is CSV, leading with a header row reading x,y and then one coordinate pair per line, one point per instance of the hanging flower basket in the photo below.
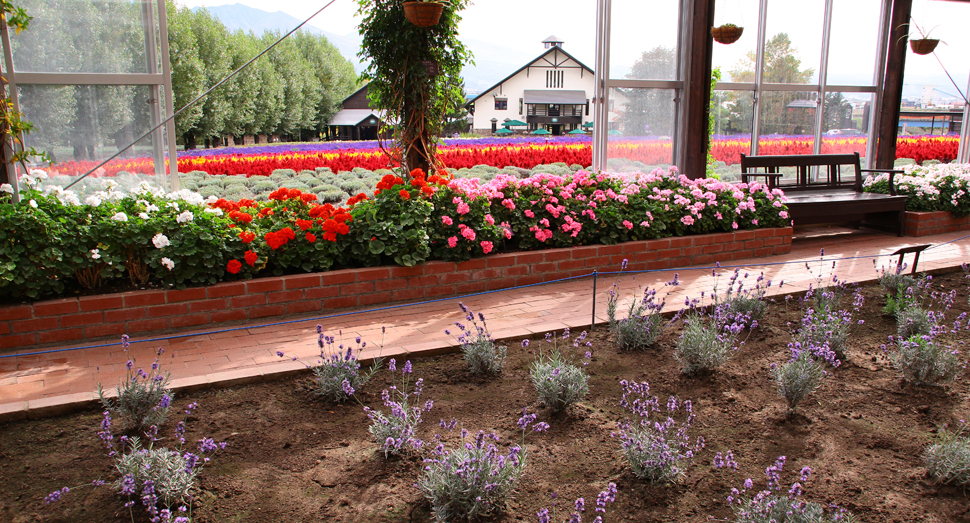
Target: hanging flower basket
x,y
727,33
423,14
923,45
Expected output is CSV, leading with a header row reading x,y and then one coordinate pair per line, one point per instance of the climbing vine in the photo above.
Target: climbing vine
x,y
414,75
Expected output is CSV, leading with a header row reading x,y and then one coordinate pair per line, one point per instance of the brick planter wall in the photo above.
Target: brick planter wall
x,y
937,222
140,312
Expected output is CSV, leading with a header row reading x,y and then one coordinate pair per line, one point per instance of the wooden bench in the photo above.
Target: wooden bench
x,y
819,193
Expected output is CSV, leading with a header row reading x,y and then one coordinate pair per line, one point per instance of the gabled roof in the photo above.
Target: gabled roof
x,y
354,117
519,70
552,39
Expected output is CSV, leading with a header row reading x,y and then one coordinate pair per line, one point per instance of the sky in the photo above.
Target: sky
x,y
515,28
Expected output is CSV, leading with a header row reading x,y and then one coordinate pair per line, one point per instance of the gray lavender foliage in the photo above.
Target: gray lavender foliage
x,y
171,475
143,399
773,505
913,320
924,361
798,377
482,355
396,431
948,460
558,383
643,324
472,481
704,345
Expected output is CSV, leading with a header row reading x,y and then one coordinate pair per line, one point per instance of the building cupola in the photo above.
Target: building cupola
x,y
552,41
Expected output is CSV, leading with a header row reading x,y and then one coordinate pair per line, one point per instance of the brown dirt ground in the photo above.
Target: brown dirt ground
x,y
292,458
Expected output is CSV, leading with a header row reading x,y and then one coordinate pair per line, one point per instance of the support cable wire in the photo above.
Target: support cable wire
x,y
193,102
594,274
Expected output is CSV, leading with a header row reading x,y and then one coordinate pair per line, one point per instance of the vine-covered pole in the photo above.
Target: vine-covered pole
x,y
414,75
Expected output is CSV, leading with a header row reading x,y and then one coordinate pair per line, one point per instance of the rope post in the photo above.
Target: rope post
x,y
593,319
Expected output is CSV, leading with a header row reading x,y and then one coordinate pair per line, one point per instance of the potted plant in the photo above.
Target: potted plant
x,y
726,33
924,44
424,13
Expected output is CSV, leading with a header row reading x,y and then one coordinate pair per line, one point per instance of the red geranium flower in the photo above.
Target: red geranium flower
x,y
247,237
233,266
404,194
304,224
310,237
251,257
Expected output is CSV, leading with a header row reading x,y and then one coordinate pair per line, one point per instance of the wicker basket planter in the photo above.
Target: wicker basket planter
x,y
423,14
727,34
923,45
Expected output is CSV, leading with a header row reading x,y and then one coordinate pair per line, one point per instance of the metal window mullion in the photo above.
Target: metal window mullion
x,y
90,78
823,76
169,96
963,149
758,76
882,48
601,94
154,112
14,97
682,64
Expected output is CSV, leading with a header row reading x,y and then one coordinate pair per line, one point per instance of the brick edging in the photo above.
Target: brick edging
x,y
139,312
936,222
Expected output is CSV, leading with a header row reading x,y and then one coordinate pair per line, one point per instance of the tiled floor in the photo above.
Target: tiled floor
x,y
51,380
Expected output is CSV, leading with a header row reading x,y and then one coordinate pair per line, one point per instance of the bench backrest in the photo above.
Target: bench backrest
x,y
829,169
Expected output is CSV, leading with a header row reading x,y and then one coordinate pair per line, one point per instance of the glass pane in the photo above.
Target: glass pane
x,y
787,122
742,13
733,119
845,123
78,126
793,46
641,126
78,36
638,51
853,42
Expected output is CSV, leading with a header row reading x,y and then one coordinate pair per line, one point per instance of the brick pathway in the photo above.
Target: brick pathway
x,y
57,380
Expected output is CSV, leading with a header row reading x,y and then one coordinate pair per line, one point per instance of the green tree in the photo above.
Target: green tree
x,y
837,113
188,75
212,41
650,111
781,65
334,74
299,87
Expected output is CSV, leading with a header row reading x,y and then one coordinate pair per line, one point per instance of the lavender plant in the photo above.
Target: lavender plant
x,y
558,382
338,375
475,479
143,399
396,431
913,320
770,505
948,459
705,345
657,451
798,377
741,304
602,499
897,285
481,353
163,480
643,324
925,361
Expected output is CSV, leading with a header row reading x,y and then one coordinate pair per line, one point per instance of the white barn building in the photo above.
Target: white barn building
x,y
552,92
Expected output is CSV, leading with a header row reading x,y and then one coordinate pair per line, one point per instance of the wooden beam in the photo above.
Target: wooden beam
x,y
697,86
892,92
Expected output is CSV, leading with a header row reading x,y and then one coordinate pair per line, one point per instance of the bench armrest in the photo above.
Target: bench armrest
x,y
892,176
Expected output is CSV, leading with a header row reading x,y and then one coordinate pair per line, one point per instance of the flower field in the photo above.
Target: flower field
x,y
524,152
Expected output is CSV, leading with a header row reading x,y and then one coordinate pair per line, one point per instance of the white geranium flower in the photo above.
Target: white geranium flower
x,y
108,184
160,240
6,187
168,264
39,174
152,208
33,204
143,215
94,200
95,254
173,205
212,199
120,217
214,210
186,216
69,198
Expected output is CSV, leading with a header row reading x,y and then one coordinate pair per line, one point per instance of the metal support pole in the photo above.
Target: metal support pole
x,y
593,322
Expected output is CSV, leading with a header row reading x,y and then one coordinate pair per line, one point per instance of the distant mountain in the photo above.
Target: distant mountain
x,y
239,16
492,63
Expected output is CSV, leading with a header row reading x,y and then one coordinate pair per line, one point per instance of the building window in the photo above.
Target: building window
x,y
520,106
501,105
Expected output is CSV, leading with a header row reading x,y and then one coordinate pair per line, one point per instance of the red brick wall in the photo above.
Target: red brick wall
x,y
87,317
938,222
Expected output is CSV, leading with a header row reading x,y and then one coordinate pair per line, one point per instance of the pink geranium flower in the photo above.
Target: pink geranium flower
x,y
468,233
486,247
446,220
688,220
627,224
452,242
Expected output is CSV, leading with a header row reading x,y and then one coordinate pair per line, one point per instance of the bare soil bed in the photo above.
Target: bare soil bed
x,y
293,458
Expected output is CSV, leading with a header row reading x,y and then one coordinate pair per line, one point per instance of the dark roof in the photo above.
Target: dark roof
x,y
519,70
554,96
